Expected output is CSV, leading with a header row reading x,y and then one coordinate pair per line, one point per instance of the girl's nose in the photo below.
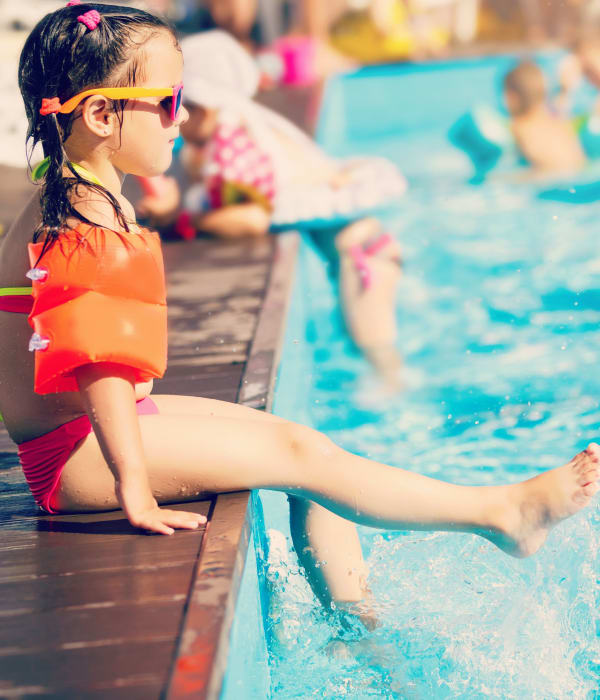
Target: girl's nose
x,y
183,116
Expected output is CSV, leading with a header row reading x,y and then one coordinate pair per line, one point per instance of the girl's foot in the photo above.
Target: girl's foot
x,y
542,502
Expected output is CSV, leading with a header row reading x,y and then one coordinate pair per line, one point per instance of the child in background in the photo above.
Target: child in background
x,y
102,87
244,169
547,140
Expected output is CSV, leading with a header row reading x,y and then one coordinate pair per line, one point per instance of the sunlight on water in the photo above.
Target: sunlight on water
x,y
499,315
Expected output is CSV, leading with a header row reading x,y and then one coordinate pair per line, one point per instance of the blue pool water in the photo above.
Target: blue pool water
x,y
499,313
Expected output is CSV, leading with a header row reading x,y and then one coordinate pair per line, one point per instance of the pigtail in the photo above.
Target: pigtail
x,y
53,196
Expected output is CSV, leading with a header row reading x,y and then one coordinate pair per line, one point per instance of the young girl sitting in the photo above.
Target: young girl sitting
x,y
102,90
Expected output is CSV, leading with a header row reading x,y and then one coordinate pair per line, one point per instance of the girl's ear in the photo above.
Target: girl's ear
x,y
98,115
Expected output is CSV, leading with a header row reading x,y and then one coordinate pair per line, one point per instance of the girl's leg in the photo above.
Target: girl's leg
x,y
188,455
327,545
370,311
318,534
329,550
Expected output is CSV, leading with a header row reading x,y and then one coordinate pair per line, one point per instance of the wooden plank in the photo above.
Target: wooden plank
x,y
66,558
71,673
97,588
214,381
258,382
116,624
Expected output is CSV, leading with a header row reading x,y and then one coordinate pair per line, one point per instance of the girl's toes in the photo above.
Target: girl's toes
x,y
593,450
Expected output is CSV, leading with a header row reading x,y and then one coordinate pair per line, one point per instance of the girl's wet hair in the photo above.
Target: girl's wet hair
x,y
62,58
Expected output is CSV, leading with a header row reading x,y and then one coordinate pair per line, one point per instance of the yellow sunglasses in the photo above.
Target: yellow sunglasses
x,y
172,103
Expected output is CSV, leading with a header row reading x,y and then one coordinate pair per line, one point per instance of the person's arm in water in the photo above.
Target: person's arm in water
x,y
108,393
234,221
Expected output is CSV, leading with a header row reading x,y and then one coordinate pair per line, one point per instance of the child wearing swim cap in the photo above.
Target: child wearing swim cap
x,y
101,86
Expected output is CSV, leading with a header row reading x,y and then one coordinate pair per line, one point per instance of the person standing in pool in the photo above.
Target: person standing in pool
x,y
102,89
547,140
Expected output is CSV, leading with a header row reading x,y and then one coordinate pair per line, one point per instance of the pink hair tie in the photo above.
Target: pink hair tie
x,y
50,105
91,19
73,2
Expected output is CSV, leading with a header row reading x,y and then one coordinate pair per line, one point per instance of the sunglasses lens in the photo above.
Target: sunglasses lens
x,y
177,102
178,99
172,104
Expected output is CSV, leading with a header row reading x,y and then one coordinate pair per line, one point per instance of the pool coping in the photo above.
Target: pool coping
x,y
201,659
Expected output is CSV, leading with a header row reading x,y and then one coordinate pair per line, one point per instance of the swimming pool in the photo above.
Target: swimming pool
x,y
499,312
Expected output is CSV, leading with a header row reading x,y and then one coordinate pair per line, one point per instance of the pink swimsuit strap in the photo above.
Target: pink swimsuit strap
x,y
360,256
16,303
378,244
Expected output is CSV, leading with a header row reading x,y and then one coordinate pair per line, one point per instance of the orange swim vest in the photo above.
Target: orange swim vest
x,y
99,296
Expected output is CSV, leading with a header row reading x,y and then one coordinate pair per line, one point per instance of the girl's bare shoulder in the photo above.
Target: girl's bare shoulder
x,y
97,208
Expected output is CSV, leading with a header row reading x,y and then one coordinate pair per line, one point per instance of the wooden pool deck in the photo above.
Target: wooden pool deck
x,y
90,608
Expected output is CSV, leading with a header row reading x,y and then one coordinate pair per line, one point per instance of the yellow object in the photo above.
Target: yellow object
x,y
14,291
41,169
357,35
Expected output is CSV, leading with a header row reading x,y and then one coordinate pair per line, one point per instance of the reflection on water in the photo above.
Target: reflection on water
x,y
499,312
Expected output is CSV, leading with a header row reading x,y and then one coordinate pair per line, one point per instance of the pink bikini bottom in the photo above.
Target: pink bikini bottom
x,y
44,457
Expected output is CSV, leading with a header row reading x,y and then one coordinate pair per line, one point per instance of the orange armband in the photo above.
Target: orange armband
x,y
99,296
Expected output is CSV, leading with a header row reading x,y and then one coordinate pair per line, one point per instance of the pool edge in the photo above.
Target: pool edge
x,y
201,658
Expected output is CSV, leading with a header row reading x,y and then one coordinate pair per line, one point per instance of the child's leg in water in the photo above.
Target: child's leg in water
x,y
368,283
191,450
329,550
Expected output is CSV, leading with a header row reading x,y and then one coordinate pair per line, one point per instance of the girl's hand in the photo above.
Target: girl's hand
x,y
161,200
143,512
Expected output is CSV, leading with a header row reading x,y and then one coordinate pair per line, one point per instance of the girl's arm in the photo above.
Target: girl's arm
x,y
108,394
234,221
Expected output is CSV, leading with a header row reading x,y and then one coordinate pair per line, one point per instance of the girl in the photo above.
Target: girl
x,y
101,86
